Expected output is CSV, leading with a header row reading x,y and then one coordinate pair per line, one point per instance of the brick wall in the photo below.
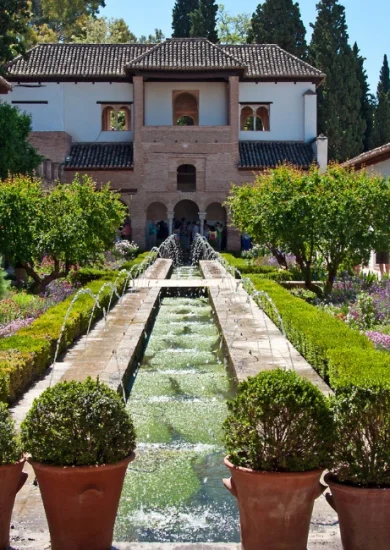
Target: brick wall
x,y
54,146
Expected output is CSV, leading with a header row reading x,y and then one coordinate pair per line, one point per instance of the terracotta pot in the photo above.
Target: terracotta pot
x,y
275,508
364,515
12,479
81,503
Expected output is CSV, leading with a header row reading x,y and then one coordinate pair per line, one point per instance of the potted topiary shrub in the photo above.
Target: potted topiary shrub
x,y
360,476
12,477
278,435
81,440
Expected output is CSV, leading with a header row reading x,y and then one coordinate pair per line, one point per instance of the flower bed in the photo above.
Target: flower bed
x,y
18,309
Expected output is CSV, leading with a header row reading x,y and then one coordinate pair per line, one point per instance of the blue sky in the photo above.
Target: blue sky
x,y
368,22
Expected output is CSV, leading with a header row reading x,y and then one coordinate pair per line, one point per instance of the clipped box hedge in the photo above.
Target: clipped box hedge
x,y
27,354
341,355
86,274
265,271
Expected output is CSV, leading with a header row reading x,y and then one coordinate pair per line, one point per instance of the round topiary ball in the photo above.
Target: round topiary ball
x,y
78,424
279,422
10,448
362,436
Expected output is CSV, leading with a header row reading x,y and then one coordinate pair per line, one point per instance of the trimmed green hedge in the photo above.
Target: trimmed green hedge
x,y
27,354
341,355
88,274
265,271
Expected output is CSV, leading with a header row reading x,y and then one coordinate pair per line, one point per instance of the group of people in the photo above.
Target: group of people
x,y
157,232
186,232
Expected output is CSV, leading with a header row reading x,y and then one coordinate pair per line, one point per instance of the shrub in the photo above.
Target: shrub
x,y
10,449
24,356
78,424
266,271
278,422
341,355
362,436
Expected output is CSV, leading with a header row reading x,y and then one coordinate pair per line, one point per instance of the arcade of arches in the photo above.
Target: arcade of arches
x,y
188,211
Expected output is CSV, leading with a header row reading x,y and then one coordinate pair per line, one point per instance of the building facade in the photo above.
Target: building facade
x,y
171,125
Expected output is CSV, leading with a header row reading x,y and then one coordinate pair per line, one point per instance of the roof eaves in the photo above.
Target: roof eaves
x,y
368,156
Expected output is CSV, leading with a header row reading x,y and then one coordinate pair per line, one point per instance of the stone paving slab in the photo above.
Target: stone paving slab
x,y
253,342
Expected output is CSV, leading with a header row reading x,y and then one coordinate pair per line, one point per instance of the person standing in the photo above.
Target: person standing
x,y
152,234
127,231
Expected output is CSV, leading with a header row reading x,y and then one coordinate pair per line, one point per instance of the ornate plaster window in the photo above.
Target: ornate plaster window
x,y
116,118
185,108
255,118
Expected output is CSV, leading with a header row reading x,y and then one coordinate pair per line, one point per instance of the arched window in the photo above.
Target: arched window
x,y
186,178
185,108
255,119
108,119
263,114
185,121
116,119
247,122
123,119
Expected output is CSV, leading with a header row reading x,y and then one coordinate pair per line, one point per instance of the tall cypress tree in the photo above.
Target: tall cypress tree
x,y
382,110
204,20
339,98
279,22
181,21
367,100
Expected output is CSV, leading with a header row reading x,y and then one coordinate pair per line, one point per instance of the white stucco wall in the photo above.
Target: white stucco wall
x,y
213,102
382,168
72,108
45,117
288,121
82,115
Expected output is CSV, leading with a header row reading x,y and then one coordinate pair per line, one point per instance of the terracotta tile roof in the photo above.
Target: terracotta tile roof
x,y
369,158
269,154
114,61
100,156
188,54
76,61
269,60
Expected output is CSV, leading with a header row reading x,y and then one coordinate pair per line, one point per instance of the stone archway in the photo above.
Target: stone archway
x,y
186,209
215,212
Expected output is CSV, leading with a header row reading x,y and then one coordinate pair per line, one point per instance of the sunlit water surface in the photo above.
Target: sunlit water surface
x,y
173,491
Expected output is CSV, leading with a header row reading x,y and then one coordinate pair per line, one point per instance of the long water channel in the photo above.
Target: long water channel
x,y
173,491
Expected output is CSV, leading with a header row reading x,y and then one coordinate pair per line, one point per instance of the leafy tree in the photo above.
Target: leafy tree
x,y
382,110
339,98
14,15
366,100
233,29
71,225
4,284
181,17
155,38
17,155
279,22
341,215
66,18
106,31
204,20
